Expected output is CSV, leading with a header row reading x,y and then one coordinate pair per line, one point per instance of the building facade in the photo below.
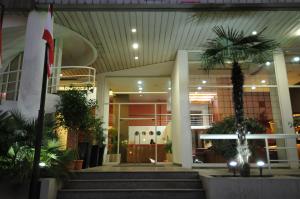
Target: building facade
x,y
142,61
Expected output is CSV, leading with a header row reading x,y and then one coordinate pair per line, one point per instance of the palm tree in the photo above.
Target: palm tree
x,y
235,47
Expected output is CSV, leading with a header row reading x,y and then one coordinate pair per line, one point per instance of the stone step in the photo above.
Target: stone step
x,y
134,184
131,193
135,175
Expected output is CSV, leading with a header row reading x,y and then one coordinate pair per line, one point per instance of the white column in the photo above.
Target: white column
x,y
181,130
103,106
33,65
285,105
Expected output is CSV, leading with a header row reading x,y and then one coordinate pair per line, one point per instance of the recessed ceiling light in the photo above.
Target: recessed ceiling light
x,y
136,57
199,88
263,81
253,87
139,82
133,30
268,63
204,81
254,32
296,59
140,88
135,45
61,75
169,88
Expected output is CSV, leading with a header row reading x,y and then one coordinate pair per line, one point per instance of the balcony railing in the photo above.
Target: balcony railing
x,y
62,78
201,121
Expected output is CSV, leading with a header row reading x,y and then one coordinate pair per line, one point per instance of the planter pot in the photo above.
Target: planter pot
x,y
78,164
97,153
70,166
100,155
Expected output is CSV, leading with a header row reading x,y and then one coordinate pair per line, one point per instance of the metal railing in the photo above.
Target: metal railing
x,y
266,138
201,121
75,76
72,76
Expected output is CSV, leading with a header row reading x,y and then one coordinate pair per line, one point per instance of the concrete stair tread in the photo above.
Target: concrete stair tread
x,y
130,190
134,180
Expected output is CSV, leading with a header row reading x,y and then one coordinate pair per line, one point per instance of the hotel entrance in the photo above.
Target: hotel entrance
x,y
139,129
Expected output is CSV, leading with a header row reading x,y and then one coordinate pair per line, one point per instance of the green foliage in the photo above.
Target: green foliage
x,y
227,148
168,147
234,46
97,130
17,148
74,110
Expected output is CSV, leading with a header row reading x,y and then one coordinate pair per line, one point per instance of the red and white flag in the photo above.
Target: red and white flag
x,y
48,37
1,23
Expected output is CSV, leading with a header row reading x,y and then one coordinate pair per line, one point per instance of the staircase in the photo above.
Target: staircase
x,y
130,185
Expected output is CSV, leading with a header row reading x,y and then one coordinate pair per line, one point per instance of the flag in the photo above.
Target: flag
x,y
48,37
1,23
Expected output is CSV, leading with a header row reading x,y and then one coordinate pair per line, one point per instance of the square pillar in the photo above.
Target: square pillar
x,y
285,106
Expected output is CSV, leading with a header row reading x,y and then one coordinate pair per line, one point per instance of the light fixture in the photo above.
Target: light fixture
x,y
42,164
233,165
140,88
169,88
298,32
253,87
141,95
260,165
140,91
204,81
199,88
263,81
135,45
296,59
136,57
61,75
268,63
111,93
133,30
254,32
139,82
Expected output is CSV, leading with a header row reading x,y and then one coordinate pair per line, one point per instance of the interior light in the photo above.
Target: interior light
x,y
136,58
298,32
296,59
144,140
268,63
140,91
135,45
61,75
199,88
140,88
111,93
263,81
139,82
133,30
254,32
169,88
253,87
204,81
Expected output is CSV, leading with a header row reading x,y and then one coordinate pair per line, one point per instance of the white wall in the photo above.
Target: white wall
x,y
145,139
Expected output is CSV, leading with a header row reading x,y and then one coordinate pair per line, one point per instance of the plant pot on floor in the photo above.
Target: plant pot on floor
x,y
78,164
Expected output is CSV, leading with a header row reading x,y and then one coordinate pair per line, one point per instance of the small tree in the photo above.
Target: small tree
x,y
235,47
73,112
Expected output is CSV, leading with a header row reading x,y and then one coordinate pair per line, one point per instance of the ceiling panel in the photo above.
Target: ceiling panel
x,y
161,34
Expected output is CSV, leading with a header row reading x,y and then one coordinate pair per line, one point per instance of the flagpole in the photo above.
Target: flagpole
x,y
34,191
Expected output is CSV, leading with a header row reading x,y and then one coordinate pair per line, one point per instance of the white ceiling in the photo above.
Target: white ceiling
x,y
161,34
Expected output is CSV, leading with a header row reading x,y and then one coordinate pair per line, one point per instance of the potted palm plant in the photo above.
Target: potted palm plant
x,y
233,46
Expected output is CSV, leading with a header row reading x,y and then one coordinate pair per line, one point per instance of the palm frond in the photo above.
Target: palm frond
x,y
232,45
